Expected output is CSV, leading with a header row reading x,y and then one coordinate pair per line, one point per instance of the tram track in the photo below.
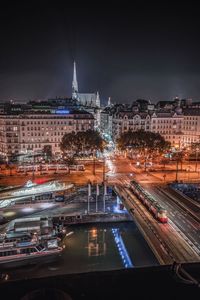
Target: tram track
x,y
165,235
185,204
164,258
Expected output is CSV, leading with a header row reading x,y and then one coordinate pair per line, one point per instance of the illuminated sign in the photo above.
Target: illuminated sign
x,y
62,111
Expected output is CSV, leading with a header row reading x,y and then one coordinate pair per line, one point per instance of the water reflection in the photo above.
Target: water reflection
x,y
93,248
96,242
122,248
97,245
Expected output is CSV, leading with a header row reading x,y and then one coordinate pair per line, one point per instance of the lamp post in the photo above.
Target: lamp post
x,y
197,149
104,185
89,195
145,161
177,169
94,163
188,173
164,177
104,196
104,169
97,194
10,167
33,174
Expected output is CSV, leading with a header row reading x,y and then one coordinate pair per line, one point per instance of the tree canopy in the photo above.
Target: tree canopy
x,y
142,141
82,142
195,146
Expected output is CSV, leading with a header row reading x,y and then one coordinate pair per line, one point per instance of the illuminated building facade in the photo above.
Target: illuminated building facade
x,y
191,126
169,125
124,121
29,132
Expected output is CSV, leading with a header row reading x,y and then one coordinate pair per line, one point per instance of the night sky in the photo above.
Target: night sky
x,y
122,51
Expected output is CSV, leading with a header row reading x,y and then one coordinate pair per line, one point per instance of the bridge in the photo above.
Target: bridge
x,y
98,217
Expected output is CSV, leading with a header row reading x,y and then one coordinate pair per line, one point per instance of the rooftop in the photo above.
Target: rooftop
x,y
191,111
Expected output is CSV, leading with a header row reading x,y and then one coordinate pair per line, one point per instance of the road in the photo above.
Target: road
x,y
179,239
166,242
184,223
180,221
93,173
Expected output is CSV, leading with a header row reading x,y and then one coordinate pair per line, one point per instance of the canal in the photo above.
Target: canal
x,y
94,248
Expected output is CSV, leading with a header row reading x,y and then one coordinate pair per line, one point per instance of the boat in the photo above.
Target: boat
x,y
10,239
23,253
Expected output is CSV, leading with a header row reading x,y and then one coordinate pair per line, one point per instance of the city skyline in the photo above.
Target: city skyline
x,y
99,150
122,53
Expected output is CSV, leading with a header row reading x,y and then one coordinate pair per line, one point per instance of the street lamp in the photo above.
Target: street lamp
x,y
94,163
176,170
89,195
10,167
145,162
164,177
104,168
33,174
188,172
97,194
197,149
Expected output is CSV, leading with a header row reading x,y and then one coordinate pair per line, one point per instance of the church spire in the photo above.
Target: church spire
x,y
109,101
74,83
98,104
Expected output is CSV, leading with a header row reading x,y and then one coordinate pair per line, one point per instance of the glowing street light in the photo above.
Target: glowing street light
x,y
197,152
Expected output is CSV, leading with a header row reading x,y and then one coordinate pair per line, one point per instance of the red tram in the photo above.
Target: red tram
x,y
156,209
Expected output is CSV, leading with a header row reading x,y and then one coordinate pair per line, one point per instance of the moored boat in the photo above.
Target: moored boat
x,y
28,252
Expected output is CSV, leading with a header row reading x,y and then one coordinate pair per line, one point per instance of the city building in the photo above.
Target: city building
x,y
124,121
178,121
191,126
89,101
106,121
31,130
169,125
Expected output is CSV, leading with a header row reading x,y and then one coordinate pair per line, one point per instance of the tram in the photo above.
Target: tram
x,y
154,207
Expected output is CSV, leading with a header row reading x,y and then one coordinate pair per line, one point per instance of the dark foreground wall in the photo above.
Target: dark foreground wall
x,y
142,283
